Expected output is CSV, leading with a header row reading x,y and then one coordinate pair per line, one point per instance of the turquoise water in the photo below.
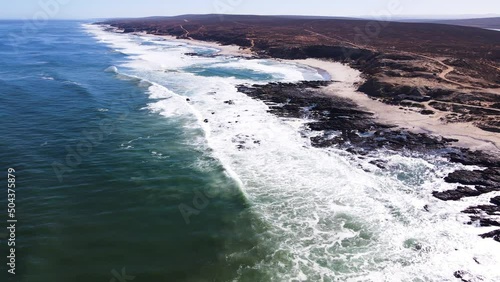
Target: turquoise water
x,y
116,169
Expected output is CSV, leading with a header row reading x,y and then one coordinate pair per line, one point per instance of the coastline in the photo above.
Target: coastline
x,y
453,88
226,50
345,82
478,147
346,79
345,86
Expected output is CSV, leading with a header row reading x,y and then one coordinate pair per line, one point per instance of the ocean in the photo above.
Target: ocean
x,y
137,162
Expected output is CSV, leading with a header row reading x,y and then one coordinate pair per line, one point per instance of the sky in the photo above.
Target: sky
x,y
93,9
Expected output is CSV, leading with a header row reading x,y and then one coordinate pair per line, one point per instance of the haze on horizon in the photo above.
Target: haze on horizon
x,y
77,9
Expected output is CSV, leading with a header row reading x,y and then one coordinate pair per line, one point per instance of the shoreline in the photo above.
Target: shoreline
x,y
345,84
345,80
225,50
420,88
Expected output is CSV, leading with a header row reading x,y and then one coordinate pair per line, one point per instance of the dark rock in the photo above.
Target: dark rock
x,y
484,222
450,140
478,158
229,102
191,54
427,112
493,234
488,209
495,200
488,177
461,275
491,126
454,195
379,163
205,121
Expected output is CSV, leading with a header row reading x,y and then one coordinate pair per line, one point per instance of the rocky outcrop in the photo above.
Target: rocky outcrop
x,y
457,194
493,234
483,178
357,130
394,94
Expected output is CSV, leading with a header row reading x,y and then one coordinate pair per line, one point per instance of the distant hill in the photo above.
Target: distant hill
x,y
493,23
284,32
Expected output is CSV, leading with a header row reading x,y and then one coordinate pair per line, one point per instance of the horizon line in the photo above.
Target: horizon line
x,y
409,17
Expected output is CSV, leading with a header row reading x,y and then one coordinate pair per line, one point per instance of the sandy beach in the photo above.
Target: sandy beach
x,y
346,78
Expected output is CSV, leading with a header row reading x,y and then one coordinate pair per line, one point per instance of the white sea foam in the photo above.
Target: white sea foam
x,y
112,69
44,77
330,217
